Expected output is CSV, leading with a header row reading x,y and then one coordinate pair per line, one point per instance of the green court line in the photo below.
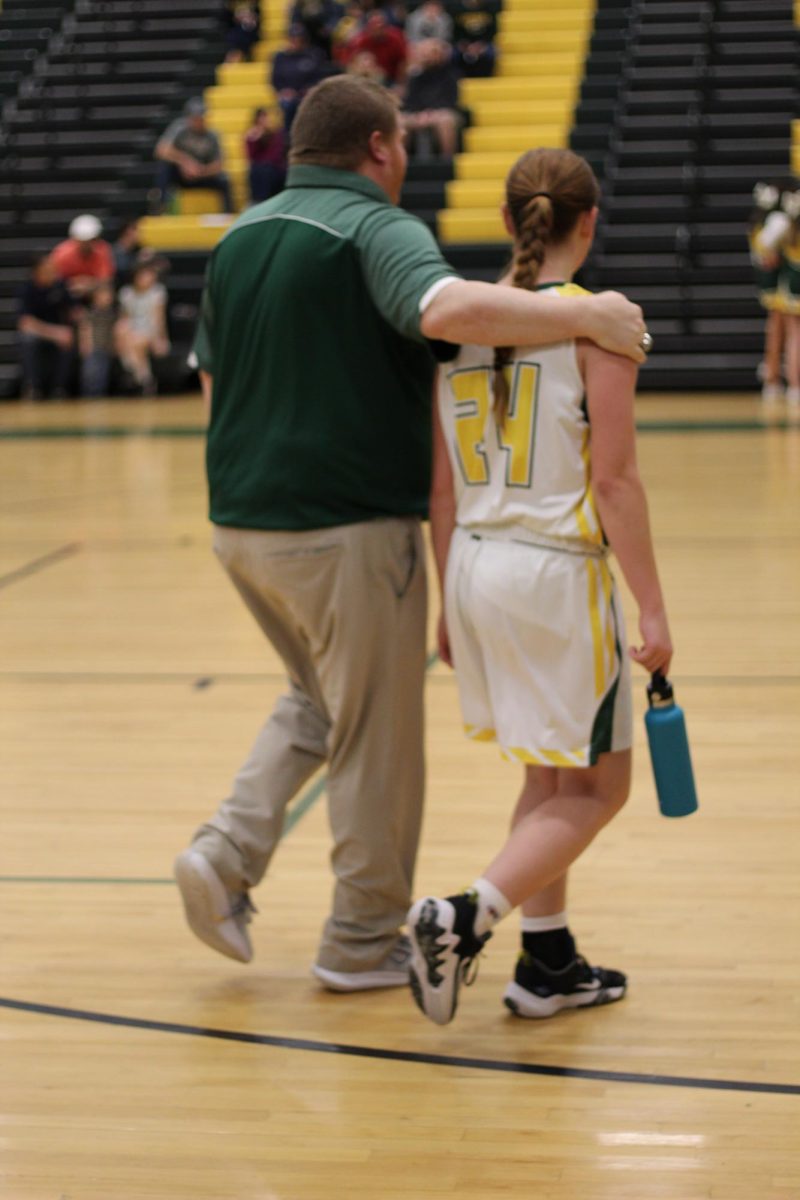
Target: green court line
x,y
189,431
293,817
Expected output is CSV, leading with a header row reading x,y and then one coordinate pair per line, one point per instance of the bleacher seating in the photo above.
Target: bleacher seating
x,y
96,83
683,104
697,108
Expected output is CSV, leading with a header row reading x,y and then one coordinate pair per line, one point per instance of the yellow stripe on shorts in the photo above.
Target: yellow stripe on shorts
x,y
546,758
476,734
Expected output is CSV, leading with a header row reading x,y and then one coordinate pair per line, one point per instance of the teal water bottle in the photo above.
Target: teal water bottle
x,y
669,750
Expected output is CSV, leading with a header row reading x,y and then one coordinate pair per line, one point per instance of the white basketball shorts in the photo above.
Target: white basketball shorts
x,y
538,642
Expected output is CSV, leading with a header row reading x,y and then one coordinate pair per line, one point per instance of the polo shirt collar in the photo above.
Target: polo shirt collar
x,y
332,177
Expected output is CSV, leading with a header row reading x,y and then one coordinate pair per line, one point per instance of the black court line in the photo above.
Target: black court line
x,y
40,564
405,1056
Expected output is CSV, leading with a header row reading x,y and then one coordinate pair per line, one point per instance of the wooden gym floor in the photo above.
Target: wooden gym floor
x,y
138,1065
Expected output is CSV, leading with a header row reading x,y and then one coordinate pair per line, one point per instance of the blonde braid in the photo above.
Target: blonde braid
x,y
533,234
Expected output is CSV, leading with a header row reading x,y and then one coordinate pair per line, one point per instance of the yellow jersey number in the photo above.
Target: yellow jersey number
x,y
472,390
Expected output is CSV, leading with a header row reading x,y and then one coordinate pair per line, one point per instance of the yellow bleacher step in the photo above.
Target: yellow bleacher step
x,y
527,65
183,232
528,41
243,74
472,225
513,138
513,25
563,8
231,122
483,166
522,112
475,91
547,18
476,193
246,95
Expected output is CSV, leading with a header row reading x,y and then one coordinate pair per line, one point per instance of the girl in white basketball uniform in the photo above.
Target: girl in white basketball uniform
x,y
535,477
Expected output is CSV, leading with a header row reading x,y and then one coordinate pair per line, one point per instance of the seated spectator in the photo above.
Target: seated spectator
x,y
265,145
295,70
141,331
191,156
429,21
125,249
350,23
396,13
45,332
431,96
83,259
319,18
96,341
366,66
385,42
474,31
242,22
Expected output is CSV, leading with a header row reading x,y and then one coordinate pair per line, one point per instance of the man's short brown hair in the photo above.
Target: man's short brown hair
x,y
336,119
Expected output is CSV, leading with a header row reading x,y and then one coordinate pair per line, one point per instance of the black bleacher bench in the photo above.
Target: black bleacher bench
x,y
13,19
89,141
144,27
136,47
712,301
110,9
128,92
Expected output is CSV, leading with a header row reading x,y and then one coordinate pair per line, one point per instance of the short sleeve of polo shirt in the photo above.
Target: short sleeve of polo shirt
x,y
400,261
201,355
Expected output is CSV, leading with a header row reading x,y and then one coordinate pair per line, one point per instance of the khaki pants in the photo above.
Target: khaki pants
x,y
345,608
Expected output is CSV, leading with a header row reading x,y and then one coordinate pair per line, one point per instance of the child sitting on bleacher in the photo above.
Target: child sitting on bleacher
x,y
141,332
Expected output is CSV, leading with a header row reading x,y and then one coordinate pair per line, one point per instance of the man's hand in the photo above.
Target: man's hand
x,y
63,337
616,324
443,642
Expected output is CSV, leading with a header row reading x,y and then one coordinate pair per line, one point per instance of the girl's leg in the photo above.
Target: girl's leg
x,y
539,784
556,830
793,361
774,337
133,352
557,816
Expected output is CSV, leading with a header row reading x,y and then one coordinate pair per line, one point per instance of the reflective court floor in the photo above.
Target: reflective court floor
x,y
135,1064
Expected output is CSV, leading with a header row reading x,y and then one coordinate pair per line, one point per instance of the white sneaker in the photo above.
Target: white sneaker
x,y
218,917
793,397
392,972
443,948
771,393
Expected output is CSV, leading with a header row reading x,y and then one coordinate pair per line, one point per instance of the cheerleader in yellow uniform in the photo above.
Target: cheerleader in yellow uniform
x,y
788,293
534,476
768,227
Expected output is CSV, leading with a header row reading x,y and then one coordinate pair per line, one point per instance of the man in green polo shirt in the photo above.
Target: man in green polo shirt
x,y
324,311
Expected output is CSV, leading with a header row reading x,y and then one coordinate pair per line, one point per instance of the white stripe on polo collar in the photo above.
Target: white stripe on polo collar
x,y
285,217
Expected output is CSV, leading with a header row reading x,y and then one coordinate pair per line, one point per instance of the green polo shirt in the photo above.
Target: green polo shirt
x,y
321,411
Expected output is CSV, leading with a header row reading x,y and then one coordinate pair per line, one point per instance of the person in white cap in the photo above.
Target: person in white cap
x,y
84,259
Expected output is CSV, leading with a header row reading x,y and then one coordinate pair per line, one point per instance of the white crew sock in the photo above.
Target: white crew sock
x,y
544,924
492,906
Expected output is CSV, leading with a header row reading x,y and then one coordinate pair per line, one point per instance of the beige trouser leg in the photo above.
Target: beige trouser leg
x,y
346,609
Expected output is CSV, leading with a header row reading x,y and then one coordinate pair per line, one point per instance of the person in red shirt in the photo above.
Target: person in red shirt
x,y
83,259
385,42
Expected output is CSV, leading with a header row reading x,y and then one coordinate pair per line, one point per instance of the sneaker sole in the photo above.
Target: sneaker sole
x,y
437,1001
204,896
359,981
523,1003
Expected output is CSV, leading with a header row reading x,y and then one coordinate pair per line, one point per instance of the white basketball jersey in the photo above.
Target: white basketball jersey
x,y
530,475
